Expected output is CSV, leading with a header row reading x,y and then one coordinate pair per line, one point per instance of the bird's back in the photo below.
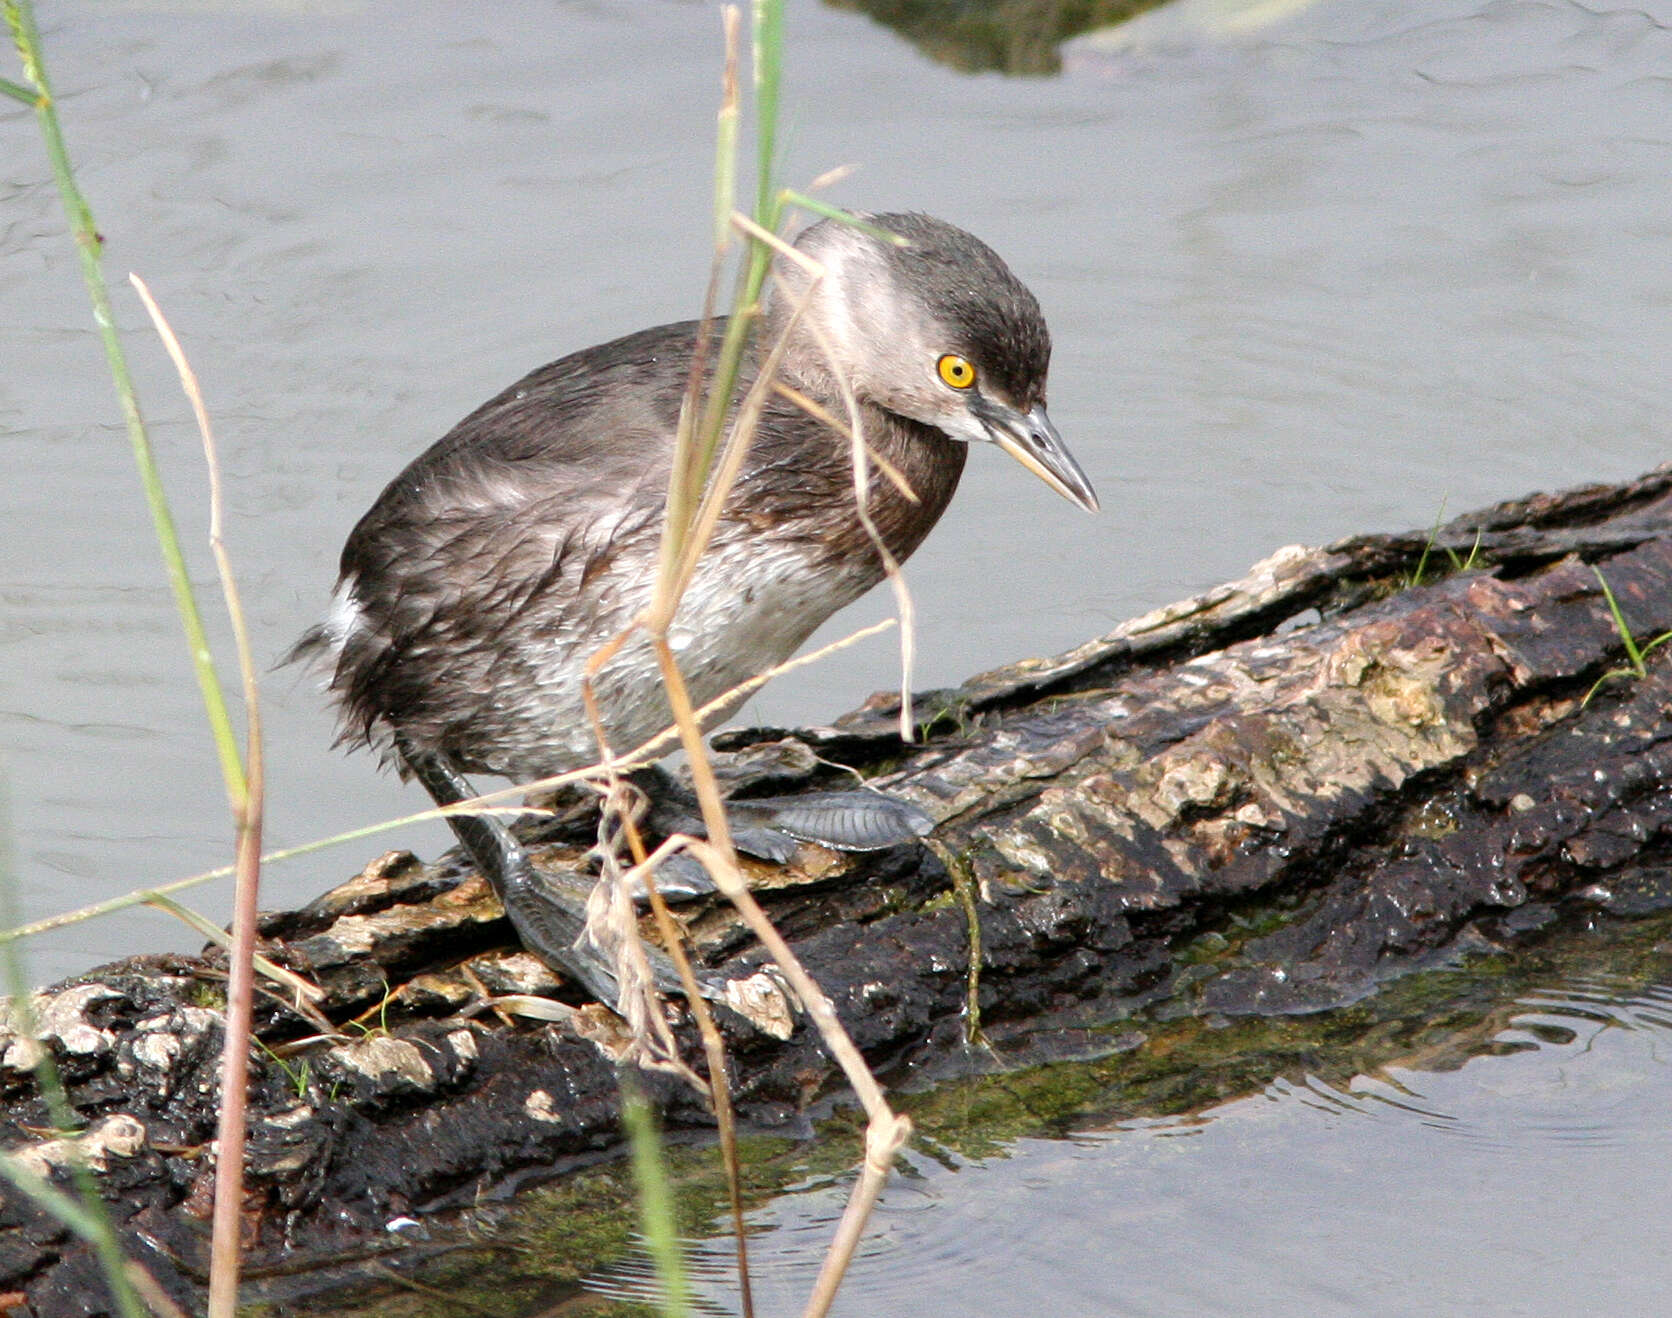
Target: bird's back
x,y
489,571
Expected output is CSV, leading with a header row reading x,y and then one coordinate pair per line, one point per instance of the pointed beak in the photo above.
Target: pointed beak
x,y
1033,441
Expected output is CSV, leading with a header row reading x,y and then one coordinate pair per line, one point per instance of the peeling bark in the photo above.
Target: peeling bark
x,y
1264,799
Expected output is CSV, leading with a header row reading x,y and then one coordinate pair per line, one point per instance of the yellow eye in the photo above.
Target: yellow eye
x,y
956,371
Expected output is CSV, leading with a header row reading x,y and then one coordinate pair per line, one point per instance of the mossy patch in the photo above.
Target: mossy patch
x,y
532,1252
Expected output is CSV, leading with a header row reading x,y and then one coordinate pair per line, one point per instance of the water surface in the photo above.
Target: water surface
x,y
1305,279
1511,1164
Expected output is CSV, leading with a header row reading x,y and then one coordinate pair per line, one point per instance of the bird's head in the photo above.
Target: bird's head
x,y
937,329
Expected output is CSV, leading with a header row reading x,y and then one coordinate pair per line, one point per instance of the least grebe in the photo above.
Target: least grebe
x,y
489,572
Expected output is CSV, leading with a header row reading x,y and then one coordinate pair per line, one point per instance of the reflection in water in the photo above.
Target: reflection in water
x,y
1025,36
1189,22
1473,1170
1386,1096
1006,36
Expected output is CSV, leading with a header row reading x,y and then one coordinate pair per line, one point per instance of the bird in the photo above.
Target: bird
x,y
474,591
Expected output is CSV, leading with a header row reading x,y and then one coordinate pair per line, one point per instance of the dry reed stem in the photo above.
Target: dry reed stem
x,y
304,994
886,1132
225,1231
717,1091
151,1292
671,589
861,477
670,585
306,1011
626,936
816,1004
672,579
673,575
246,802
611,909
714,1051
691,531
884,1138
609,921
891,566
831,177
725,183
823,414
647,752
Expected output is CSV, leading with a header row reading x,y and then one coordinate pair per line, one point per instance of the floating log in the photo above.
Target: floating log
x,y
1266,799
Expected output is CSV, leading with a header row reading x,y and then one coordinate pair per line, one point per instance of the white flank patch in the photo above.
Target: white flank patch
x,y
345,617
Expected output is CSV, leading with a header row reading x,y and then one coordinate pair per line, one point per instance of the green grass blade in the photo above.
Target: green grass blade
x,y
1415,579
1655,644
17,92
84,1213
1603,681
802,201
767,32
725,170
769,63
213,933
49,1196
1633,654
661,1232
89,247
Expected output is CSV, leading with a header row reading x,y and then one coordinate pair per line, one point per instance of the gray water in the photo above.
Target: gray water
x,y
1306,279
1527,1182
1309,276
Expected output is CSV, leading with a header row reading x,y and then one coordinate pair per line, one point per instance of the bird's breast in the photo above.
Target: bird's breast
x,y
751,604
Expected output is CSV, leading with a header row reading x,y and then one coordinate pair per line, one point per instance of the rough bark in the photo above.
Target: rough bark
x,y
1264,799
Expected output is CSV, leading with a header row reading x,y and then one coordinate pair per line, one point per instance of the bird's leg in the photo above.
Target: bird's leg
x,y
547,922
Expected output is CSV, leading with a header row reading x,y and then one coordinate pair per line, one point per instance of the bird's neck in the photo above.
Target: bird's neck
x,y
803,471
926,461
814,489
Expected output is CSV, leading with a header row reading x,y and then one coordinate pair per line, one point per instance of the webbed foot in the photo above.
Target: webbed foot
x,y
550,923
842,821
770,828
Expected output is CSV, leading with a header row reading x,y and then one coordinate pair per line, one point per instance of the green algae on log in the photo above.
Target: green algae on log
x,y
1263,800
